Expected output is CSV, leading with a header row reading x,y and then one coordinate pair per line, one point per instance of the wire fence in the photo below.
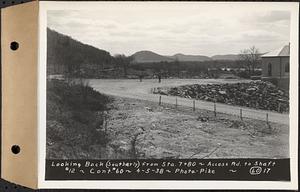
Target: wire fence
x,y
217,108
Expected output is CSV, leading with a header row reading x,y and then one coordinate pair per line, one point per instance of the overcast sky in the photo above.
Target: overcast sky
x,y
173,28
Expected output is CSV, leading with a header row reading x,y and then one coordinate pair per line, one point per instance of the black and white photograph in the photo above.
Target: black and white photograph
x,y
168,81
162,83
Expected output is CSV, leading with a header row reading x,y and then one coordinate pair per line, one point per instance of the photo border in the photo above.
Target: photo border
x,y
293,7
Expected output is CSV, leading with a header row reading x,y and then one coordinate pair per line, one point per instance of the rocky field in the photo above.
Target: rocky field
x,y
255,94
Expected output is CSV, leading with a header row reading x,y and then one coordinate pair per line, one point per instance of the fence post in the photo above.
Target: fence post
x,y
104,125
267,118
241,114
194,105
176,103
279,106
215,109
159,102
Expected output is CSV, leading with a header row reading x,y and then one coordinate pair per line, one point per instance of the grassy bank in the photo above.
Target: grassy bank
x,y
75,120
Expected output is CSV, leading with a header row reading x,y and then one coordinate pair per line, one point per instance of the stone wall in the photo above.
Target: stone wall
x,y
282,83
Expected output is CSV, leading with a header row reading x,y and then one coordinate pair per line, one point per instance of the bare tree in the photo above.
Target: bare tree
x,y
123,62
250,59
177,65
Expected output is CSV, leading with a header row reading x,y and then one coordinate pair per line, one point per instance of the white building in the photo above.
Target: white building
x,y
276,67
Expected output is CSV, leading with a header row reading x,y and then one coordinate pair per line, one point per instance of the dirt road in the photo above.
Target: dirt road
x,y
142,90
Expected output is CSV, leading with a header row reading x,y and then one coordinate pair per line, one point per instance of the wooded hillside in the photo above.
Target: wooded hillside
x,y
70,57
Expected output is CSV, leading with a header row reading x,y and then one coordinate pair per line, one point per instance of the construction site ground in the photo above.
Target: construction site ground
x,y
144,129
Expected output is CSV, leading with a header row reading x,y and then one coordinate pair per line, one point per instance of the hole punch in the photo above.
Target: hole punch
x,y
15,149
14,45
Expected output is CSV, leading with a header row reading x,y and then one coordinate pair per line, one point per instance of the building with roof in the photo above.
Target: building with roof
x,y
276,67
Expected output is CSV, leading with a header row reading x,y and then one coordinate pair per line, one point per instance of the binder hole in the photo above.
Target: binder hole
x,y
14,46
15,149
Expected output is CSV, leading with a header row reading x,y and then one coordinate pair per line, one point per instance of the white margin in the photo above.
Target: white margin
x,y
158,184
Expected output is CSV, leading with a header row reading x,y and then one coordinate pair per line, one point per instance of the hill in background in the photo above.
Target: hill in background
x,y
231,57
69,56
152,57
182,57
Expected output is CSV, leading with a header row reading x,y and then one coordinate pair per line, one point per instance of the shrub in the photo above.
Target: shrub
x,y
75,115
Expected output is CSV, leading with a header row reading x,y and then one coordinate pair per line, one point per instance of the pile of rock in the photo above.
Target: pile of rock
x,y
256,94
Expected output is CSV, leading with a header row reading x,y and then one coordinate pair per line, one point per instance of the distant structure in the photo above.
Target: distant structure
x,y
276,67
